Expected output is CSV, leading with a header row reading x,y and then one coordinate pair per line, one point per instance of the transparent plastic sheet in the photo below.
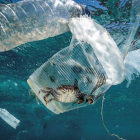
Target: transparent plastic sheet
x,y
28,21
134,25
100,40
132,58
63,69
117,17
132,63
89,60
114,16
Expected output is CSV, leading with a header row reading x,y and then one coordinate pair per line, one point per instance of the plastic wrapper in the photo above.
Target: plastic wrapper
x,y
8,118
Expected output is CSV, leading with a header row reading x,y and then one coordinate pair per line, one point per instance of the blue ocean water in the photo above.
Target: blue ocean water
x,y
121,106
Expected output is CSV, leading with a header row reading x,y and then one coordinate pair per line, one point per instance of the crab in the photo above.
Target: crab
x,y
72,93
67,94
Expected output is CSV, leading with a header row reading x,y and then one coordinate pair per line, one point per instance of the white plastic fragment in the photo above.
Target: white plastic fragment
x,y
8,118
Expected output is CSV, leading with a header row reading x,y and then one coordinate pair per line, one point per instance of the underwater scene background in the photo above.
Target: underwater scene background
x,y
121,106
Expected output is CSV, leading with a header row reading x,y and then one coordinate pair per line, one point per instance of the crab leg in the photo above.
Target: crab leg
x,y
44,91
48,100
80,101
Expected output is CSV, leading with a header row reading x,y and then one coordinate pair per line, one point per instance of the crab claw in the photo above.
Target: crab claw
x,y
90,99
80,101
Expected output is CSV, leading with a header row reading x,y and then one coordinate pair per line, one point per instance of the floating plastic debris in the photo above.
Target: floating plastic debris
x,y
8,118
132,63
134,22
89,66
33,20
92,61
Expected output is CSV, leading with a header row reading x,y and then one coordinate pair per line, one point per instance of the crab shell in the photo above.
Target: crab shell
x,y
66,94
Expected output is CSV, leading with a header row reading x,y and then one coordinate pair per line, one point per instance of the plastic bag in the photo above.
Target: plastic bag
x,y
89,60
